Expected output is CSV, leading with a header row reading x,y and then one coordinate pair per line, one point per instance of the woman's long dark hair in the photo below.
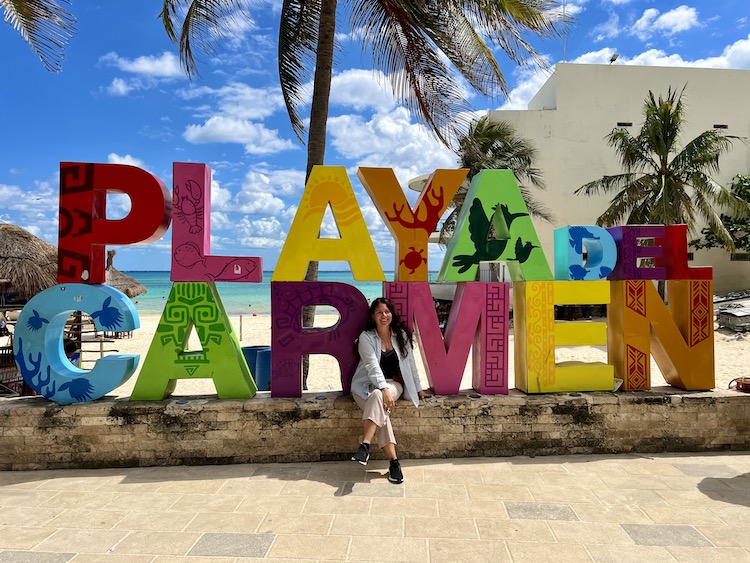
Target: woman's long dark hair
x,y
398,326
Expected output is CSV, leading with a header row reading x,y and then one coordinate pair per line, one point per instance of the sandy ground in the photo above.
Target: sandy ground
x,y
732,357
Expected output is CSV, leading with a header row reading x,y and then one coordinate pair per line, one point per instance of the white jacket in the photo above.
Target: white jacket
x,y
368,371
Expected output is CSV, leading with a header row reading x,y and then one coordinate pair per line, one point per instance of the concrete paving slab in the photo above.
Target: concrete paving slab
x,y
660,507
233,545
666,535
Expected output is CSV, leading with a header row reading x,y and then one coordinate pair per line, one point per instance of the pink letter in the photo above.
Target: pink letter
x,y
478,317
191,233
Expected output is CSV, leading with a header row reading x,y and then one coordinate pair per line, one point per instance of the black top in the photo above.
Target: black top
x,y
389,365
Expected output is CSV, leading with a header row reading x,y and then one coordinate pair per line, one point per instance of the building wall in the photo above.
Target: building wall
x,y
38,434
579,106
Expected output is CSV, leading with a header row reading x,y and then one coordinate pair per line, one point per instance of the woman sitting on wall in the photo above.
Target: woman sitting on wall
x,y
386,371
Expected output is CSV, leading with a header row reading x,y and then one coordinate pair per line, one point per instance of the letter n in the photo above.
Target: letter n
x,y
681,338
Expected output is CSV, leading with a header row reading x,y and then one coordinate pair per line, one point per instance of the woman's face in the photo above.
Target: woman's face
x,y
382,315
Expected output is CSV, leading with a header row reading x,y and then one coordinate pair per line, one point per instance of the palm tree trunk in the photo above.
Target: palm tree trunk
x,y
316,136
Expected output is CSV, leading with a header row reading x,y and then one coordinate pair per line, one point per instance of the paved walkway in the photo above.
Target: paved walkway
x,y
645,508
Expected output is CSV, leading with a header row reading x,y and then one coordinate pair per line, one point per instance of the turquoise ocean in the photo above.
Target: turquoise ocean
x,y
239,298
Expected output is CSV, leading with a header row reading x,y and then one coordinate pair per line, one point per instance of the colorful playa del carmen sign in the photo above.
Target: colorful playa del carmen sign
x,y
592,266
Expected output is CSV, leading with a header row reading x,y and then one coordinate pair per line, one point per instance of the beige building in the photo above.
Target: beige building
x,y
578,107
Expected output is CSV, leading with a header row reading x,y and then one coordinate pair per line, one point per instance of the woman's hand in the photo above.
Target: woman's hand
x,y
388,401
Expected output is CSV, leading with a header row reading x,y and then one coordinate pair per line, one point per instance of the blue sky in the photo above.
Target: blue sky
x,y
121,98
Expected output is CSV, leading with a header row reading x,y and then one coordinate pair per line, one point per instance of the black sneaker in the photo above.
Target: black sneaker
x,y
394,472
362,455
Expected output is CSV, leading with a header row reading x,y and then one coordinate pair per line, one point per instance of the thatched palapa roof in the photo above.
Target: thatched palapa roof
x,y
29,266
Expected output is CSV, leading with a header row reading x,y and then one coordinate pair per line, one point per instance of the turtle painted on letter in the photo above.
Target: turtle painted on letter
x,y
413,259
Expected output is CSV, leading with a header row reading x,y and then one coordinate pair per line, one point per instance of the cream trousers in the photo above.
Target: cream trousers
x,y
372,409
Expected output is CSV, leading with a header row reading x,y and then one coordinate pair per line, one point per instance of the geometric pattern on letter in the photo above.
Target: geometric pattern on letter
x,y
637,369
539,338
635,296
491,344
398,294
84,227
701,320
534,341
194,305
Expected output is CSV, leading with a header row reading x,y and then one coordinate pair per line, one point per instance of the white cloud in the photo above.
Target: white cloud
x,y
362,89
36,206
281,182
255,197
238,100
114,158
220,197
223,129
261,233
669,23
567,10
607,30
165,66
736,55
389,140
600,57
232,120
9,194
257,203
119,87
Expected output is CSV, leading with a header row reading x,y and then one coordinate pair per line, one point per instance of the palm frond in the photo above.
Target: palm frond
x,y
298,38
505,22
606,184
408,40
202,24
703,153
395,33
44,24
713,220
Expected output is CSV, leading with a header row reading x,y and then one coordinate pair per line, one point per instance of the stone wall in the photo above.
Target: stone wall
x,y
37,434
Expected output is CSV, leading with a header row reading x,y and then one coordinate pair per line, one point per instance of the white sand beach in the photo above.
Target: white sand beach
x,y
731,351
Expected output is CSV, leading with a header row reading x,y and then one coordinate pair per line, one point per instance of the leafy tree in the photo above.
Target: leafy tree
x,y
44,24
738,227
664,183
492,144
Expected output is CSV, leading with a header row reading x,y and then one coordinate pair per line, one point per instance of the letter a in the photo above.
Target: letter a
x,y
494,200
328,185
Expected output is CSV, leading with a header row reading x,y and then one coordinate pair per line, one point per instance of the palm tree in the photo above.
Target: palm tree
x,y
409,41
664,183
492,144
44,24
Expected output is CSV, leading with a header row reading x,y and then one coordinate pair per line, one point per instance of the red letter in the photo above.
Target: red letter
x,y
84,227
